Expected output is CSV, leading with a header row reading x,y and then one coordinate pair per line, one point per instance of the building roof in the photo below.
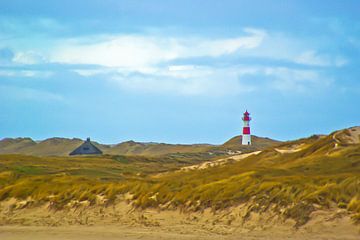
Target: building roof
x,y
86,148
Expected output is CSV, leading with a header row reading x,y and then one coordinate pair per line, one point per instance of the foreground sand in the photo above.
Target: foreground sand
x,y
130,233
122,221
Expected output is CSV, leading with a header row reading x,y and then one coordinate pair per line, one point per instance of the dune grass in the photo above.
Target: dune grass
x,y
292,184
62,179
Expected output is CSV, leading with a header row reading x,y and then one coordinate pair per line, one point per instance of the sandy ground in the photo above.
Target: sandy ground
x,y
131,233
121,221
348,136
222,161
88,233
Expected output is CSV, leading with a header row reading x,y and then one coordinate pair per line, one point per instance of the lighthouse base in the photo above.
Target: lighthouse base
x,y
246,139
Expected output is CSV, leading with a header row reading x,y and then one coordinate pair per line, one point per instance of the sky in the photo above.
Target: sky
x,y
180,71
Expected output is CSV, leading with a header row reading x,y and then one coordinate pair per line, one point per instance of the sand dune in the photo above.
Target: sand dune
x,y
122,221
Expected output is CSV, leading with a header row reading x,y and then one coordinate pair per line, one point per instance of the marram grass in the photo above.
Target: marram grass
x,y
294,183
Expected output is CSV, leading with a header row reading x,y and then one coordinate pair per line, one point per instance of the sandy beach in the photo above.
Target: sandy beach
x,y
132,233
122,221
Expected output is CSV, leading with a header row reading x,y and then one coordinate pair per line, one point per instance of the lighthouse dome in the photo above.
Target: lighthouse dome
x,y
246,116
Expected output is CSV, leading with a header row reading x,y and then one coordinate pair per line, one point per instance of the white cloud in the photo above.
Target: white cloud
x,y
313,58
132,51
218,47
279,46
148,63
225,81
294,80
212,81
185,80
29,57
91,72
173,68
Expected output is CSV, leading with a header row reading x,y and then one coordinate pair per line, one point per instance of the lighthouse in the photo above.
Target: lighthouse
x,y
246,137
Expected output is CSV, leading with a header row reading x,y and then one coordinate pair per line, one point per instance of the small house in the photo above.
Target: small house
x,y
86,148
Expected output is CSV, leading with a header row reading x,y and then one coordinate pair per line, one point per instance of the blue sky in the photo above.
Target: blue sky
x,y
178,71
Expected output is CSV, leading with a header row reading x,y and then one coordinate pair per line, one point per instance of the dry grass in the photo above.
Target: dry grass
x,y
294,183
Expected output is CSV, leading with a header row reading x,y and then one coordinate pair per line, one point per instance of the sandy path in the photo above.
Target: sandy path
x,y
132,233
93,233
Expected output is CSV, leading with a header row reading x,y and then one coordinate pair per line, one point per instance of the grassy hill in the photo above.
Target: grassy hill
x,y
48,147
15,145
257,143
155,149
293,179
63,146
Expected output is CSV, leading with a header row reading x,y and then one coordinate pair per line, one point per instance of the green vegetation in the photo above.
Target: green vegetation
x,y
320,174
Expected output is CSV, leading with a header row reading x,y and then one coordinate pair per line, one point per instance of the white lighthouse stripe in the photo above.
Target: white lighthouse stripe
x,y
246,139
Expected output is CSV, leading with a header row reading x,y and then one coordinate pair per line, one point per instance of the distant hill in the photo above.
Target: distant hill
x,y
63,146
15,145
258,143
48,147
155,149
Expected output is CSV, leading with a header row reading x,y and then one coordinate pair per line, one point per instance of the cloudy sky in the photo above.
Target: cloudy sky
x,y
178,71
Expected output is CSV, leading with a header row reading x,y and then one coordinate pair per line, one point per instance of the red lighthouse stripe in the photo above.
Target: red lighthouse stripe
x,y
246,130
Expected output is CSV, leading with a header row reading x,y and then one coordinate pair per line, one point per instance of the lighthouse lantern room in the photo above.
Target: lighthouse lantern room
x,y
246,137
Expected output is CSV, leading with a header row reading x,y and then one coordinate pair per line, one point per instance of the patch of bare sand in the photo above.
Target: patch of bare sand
x,y
291,149
89,233
122,221
132,233
219,162
348,136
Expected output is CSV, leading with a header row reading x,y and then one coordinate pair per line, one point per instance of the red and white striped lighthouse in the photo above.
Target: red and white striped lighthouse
x,y
246,137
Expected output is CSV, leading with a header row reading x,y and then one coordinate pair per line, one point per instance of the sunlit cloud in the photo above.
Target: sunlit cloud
x,y
136,51
216,82
146,63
